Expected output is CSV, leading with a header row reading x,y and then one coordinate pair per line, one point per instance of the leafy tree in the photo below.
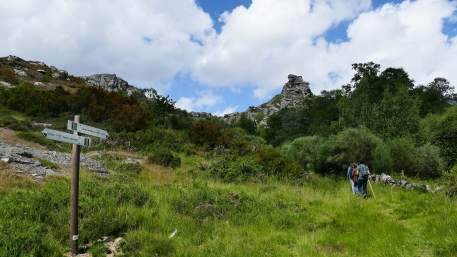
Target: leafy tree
x,y
247,124
435,97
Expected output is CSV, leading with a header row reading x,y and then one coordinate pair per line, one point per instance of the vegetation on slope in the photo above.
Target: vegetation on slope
x,y
225,189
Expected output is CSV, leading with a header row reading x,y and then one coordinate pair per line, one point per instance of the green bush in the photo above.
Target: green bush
x,y
355,145
38,138
129,167
7,74
14,124
451,177
164,157
428,162
235,169
403,152
306,151
49,164
424,161
382,159
276,164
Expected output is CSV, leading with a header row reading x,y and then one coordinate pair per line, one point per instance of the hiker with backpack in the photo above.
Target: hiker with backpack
x,y
352,177
364,172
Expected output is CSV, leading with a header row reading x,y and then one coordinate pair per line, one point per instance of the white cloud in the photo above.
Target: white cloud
x,y
229,109
143,40
150,41
204,100
261,44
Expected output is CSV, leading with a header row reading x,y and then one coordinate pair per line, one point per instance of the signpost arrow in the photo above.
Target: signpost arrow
x,y
87,130
66,137
77,142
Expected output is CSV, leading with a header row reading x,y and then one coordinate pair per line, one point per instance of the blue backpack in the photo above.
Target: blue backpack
x,y
363,171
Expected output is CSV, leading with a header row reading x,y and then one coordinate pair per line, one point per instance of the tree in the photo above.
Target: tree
x,y
435,97
247,124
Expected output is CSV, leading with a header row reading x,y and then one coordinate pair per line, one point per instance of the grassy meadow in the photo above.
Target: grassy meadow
x,y
316,216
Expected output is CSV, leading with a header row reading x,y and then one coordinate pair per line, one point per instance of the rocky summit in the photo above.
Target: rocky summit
x,y
293,93
111,82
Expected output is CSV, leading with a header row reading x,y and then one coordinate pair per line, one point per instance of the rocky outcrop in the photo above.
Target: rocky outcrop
x,y
293,93
113,83
26,160
109,82
388,180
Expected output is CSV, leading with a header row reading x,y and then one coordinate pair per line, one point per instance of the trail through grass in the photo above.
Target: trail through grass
x,y
319,217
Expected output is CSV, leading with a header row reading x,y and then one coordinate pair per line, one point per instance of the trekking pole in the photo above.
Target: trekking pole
x,y
371,187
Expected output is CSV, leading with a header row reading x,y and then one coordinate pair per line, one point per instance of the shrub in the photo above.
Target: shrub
x,y
129,167
164,157
235,169
7,74
446,136
452,182
276,164
382,159
403,153
424,161
206,133
428,162
306,151
355,145
14,124
49,164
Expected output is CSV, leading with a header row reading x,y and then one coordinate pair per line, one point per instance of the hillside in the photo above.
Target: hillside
x,y
170,183
293,94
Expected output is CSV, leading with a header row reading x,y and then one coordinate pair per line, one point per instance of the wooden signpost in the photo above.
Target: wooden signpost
x,y
77,142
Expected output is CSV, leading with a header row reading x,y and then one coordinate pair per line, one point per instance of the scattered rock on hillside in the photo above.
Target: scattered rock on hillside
x,y
388,180
294,92
25,160
108,82
20,72
113,83
5,84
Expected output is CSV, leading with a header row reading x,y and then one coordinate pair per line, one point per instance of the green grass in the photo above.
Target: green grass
x,y
49,164
318,218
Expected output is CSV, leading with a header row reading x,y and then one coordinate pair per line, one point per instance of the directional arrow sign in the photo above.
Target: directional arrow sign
x,y
88,130
65,137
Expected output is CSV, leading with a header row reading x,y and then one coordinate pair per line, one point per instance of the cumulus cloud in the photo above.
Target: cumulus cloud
x,y
204,100
229,109
148,42
143,40
261,44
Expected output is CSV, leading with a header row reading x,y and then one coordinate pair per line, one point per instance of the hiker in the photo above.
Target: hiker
x,y
352,177
364,172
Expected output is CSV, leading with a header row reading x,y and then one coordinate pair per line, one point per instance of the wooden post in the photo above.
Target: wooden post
x,y
74,195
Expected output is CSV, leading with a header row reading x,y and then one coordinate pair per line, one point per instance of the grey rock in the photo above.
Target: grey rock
x,y
5,84
109,82
293,93
388,180
20,72
38,84
60,74
21,159
41,71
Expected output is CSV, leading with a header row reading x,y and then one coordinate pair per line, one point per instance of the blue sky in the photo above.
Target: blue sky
x,y
184,86
220,56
